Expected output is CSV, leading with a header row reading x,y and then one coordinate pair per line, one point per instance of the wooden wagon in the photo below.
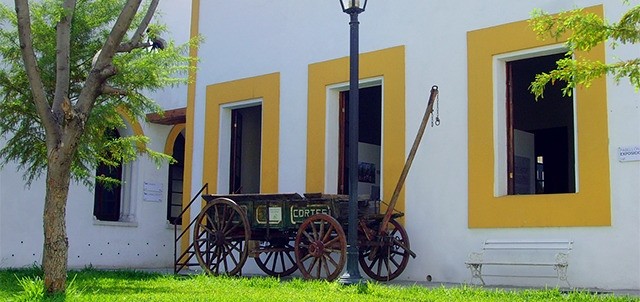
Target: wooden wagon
x,y
287,232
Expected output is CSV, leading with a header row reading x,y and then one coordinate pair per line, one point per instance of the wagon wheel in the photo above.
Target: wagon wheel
x,y
321,247
277,258
220,235
385,257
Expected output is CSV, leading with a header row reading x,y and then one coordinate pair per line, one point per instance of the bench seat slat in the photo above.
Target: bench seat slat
x,y
515,263
519,276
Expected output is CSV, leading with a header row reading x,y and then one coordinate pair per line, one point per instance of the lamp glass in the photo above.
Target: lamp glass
x,y
351,4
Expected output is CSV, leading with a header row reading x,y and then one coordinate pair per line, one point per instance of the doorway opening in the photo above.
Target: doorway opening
x,y
369,143
245,151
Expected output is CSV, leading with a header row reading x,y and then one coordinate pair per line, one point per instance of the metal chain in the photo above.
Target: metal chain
x,y
437,118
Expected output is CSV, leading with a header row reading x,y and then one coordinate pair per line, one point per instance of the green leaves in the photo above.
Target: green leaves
x,y
583,32
139,71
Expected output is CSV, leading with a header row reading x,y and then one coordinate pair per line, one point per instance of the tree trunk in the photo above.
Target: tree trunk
x,y
56,245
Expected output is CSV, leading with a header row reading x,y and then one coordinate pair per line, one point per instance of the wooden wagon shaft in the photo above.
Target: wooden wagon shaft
x,y
407,164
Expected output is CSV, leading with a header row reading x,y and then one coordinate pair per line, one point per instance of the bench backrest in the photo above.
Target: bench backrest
x,y
553,245
526,251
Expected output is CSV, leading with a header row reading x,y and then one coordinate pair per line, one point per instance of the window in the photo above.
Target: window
x,y
540,133
586,202
108,196
221,99
176,174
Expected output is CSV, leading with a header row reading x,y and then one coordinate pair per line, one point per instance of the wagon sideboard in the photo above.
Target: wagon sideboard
x,y
286,210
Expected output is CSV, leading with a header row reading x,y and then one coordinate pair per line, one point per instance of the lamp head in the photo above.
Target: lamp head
x,y
349,6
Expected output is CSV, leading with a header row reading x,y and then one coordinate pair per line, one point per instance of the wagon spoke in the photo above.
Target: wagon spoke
x,y
225,214
269,254
393,260
290,258
333,242
235,226
333,261
372,263
328,234
386,263
313,264
222,219
229,222
396,253
233,256
215,262
282,263
207,230
321,231
325,265
307,256
314,231
216,214
224,258
379,271
236,246
306,234
275,261
210,220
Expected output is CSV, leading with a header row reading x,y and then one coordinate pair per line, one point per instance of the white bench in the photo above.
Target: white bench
x,y
536,253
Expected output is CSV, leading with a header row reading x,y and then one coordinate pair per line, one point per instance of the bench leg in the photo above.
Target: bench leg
x,y
476,272
562,262
561,269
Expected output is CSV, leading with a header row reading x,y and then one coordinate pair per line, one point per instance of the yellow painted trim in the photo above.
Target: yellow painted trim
x,y
171,138
189,126
591,206
386,63
265,87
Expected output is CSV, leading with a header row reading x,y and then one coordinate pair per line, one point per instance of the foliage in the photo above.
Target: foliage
x,y
585,31
138,71
95,285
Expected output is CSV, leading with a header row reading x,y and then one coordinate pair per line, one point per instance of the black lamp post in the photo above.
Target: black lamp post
x,y
352,275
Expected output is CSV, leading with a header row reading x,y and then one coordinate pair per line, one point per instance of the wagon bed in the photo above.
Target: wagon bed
x,y
297,232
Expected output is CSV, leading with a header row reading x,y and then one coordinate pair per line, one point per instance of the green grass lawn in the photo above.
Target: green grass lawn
x,y
94,285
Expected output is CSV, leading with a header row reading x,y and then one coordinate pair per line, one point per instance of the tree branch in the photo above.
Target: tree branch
x,y
136,40
97,77
106,89
31,67
63,53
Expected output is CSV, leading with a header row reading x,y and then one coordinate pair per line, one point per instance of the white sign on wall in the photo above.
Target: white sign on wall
x,y
631,153
152,192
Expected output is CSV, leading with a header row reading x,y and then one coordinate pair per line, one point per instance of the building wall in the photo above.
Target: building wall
x,y
247,40
290,36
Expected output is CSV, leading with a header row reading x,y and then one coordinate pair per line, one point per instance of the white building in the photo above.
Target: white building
x,y
290,59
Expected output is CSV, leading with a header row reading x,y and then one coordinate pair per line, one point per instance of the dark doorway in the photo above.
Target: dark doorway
x,y
370,146
176,175
246,132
